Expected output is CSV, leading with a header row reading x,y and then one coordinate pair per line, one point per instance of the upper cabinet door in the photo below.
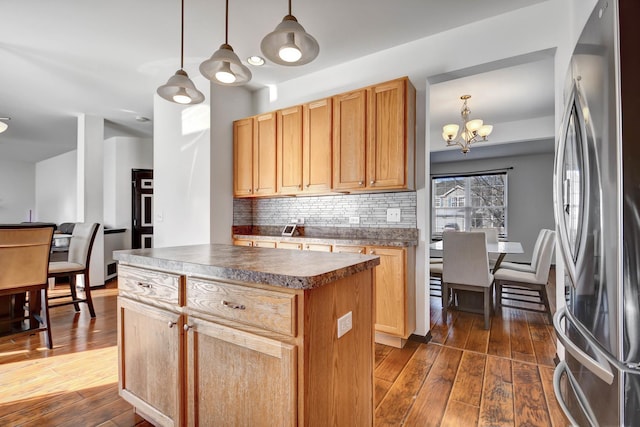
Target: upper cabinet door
x,y
243,158
289,147
387,136
317,146
264,154
349,139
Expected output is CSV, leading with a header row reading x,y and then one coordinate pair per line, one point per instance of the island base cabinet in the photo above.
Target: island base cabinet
x,y
239,379
150,348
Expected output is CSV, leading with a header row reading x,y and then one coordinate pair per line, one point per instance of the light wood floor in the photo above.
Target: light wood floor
x,y
465,376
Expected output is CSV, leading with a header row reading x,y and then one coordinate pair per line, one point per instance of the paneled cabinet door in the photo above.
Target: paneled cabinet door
x,y
289,131
150,348
317,146
386,135
243,158
391,293
264,154
237,378
349,140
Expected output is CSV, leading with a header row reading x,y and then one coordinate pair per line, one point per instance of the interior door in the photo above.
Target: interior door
x,y
141,208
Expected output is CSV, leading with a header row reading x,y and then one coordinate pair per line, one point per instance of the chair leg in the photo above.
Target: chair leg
x,y
87,293
487,307
445,298
498,294
545,300
45,319
74,294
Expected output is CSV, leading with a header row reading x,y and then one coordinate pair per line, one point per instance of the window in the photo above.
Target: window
x,y
464,202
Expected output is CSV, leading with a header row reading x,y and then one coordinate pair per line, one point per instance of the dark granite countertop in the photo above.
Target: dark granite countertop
x,y
283,268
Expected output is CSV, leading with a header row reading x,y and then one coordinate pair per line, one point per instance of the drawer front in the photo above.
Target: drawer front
x,y
151,284
273,311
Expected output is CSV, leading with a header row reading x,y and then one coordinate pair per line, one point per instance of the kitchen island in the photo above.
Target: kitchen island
x,y
229,335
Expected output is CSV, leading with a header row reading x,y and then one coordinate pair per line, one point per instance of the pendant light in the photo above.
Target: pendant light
x,y
179,88
224,66
289,44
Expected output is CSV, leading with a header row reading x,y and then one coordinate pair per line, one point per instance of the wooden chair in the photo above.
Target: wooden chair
x,y
513,285
24,259
78,262
466,268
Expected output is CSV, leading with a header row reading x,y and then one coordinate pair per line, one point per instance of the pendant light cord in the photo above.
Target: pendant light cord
x,y
182,39
226,23
289,7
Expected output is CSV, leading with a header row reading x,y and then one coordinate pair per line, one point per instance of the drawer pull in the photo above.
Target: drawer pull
x,y
144,285
172,324
187,327
233,305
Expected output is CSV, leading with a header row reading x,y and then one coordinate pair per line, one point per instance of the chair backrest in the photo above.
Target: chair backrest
x,y
24,256
544,259
491,234
535,256
81,245
465,259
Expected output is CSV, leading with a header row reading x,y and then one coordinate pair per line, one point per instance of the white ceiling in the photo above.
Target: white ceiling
x,y
67,57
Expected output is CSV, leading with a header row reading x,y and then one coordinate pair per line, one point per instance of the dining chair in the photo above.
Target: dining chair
x,y
466,268
24,260
78,262
514,285
435,278
492,234
535,256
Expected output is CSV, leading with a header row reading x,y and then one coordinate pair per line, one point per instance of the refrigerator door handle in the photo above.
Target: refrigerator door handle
x,y
562,368
601,371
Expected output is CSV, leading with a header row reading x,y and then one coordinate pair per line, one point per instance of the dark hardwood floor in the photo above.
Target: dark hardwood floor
x,y
465,376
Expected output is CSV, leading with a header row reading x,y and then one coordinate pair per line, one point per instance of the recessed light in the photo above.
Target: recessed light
x,y
255,60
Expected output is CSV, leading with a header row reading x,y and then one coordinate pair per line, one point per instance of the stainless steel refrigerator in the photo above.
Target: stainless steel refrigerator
x,y
597,198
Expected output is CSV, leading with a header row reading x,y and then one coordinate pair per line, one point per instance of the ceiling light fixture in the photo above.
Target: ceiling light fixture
x,y
224,66
289,43
3,125
472,129
179,88
256,60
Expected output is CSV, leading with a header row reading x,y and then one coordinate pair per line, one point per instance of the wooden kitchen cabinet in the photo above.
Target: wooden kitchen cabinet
x,y
318,247
349,140
390,135
350,249
374,137
289,245
317,146
242,242
243,157
289,146
254,156
395,294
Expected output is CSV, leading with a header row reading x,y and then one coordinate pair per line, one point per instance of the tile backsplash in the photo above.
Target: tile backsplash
x,y
329,211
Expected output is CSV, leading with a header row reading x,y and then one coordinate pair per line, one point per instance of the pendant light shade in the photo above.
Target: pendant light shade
x,y
289,44
3,125
179,88
224,67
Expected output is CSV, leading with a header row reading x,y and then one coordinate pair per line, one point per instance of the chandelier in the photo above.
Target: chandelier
x,y
472,130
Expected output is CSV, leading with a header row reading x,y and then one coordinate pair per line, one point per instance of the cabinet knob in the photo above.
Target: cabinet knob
x,y
360,182
308,185
257,188
372,182
187,327
233,305
171,324
300,186
372,252
249,191
360,251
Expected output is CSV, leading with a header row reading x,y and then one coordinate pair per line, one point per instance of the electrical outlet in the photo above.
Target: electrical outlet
x,y
345,324
393,215
354,220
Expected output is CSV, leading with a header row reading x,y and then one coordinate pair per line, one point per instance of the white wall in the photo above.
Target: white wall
x,y
181,172
227,104
17,191
56,188
121,154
